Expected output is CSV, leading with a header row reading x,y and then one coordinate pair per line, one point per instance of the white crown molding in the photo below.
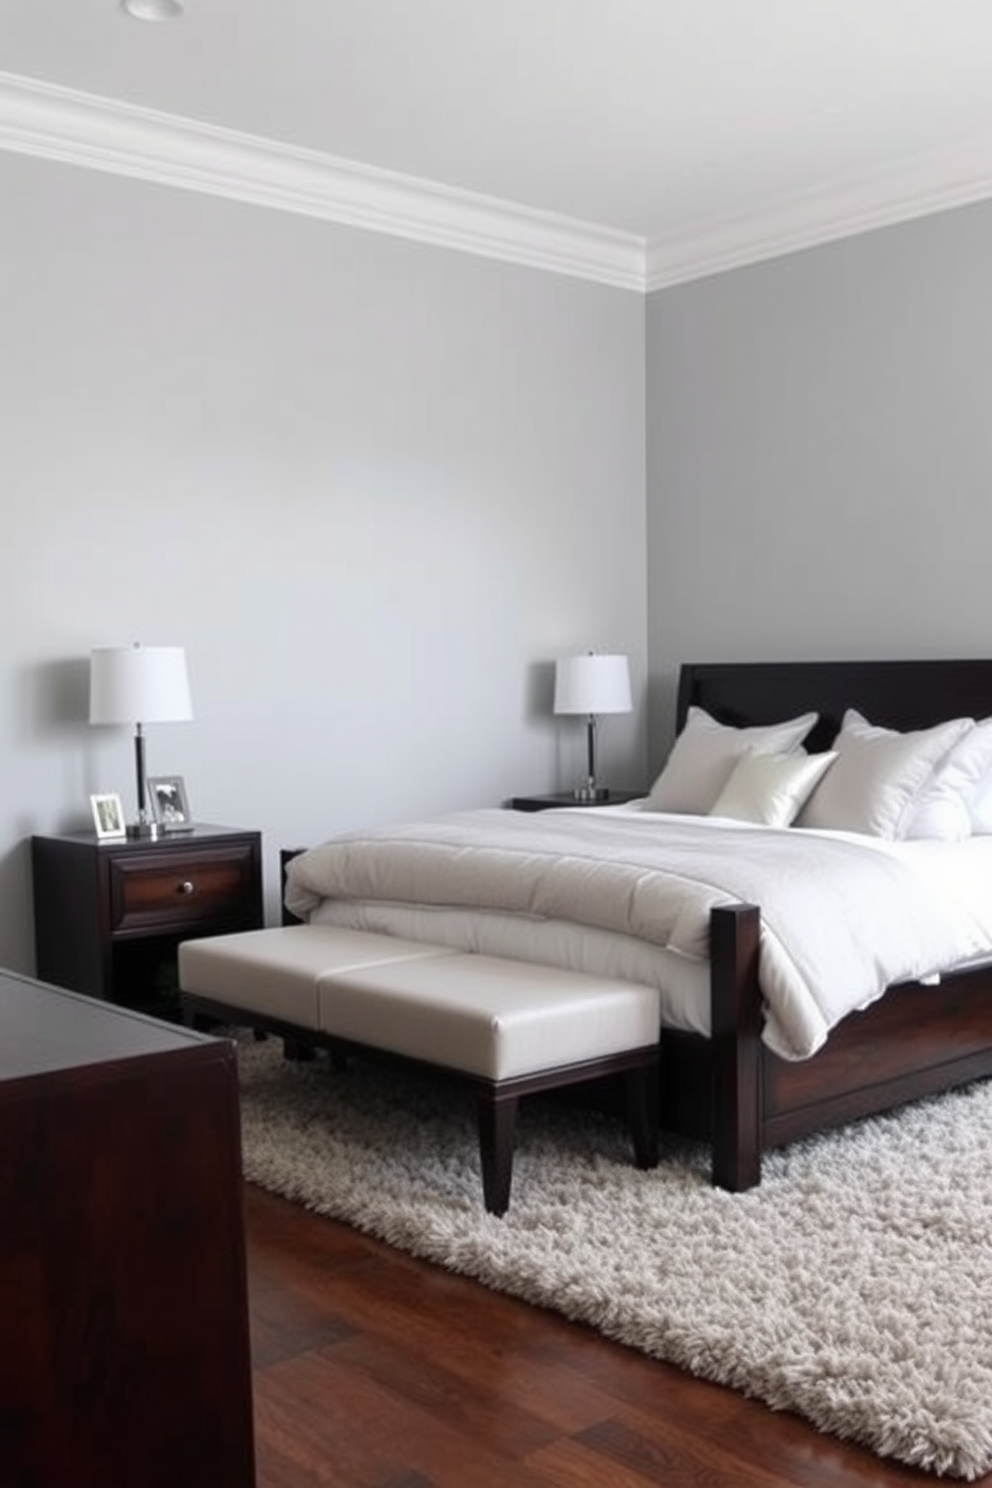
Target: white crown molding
x,y
56,123
933,183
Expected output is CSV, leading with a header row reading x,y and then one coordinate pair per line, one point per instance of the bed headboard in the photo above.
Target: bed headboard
x,y
895,694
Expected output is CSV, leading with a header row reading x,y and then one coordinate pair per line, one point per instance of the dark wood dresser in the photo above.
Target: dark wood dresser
x,y
125,1359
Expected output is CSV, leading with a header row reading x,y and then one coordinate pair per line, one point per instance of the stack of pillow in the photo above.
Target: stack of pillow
x,y
934,782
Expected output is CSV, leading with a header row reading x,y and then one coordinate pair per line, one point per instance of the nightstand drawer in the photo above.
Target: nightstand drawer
x,y
168,889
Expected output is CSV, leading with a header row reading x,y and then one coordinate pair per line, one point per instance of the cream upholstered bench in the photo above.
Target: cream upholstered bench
x,y
509,1028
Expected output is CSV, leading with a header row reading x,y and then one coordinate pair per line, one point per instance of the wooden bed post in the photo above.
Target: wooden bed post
x,y
286,855
735,1004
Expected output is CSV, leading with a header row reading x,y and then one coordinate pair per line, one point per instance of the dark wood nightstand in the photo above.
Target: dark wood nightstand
x,y
108,915
566,798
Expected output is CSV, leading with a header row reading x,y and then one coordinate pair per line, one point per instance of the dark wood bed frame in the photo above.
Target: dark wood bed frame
x,y
914,1041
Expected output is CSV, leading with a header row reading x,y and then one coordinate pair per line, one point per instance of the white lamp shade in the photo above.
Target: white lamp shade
x,y
592,684
139,684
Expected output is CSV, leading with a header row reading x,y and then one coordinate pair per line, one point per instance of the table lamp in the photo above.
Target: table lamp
x,y
592,684
139,685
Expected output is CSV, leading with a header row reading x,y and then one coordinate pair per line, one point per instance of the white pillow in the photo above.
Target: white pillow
x,y
945,805
873,784
705,753
770,788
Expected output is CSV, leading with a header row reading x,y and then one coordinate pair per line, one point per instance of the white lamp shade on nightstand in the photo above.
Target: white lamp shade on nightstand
x,y
139,684
592,684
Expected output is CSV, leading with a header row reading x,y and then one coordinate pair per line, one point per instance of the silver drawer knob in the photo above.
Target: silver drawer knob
x,y
186,887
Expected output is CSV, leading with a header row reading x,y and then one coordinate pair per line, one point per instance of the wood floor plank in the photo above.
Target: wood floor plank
x,y
372,1435
489,1357
656,1449
572,1464
470,1406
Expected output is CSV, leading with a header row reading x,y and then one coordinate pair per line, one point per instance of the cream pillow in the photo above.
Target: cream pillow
x,y
771,788
878,775
705,753
951,802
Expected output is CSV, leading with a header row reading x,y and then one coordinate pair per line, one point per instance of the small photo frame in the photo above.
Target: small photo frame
x,y
108,816
169,803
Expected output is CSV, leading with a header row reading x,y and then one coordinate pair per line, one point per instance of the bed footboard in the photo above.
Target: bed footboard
x,y
917,1040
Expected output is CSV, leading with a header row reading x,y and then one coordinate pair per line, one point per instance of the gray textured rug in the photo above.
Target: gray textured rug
x,y
854,1287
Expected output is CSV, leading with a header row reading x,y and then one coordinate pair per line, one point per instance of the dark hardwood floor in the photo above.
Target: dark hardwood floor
x,y
373,1370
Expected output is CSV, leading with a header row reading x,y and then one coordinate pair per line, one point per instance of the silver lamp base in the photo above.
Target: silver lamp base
x,y
148,830
590,793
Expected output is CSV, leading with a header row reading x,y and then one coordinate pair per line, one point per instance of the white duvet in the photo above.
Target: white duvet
x,y
842,917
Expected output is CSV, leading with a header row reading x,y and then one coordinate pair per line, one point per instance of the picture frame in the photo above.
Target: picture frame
x,y
108,815
169,803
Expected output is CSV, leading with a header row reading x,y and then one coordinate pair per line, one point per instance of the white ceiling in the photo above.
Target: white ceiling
x,y
702,132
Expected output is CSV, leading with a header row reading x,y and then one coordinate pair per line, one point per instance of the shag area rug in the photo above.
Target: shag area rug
x,y
854,1287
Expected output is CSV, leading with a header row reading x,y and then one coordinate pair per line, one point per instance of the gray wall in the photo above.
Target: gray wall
x,y
820,455
373,487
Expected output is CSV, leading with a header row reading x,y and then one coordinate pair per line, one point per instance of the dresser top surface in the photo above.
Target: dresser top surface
x,y
45,1028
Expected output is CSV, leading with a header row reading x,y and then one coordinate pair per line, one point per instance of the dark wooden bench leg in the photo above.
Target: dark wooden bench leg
x,y
199,1022
298,1050
497,1134
643,1116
